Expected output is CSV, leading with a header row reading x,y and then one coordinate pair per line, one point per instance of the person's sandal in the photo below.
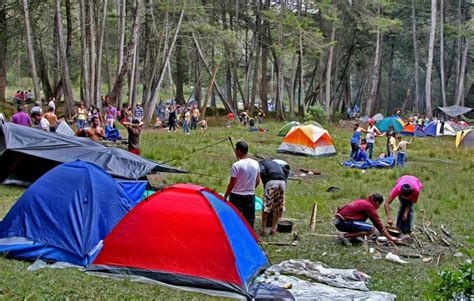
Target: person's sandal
x,y
262,233
344,240
273,232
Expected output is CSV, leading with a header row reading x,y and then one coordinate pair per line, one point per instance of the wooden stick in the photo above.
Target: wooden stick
x,y
322,235
445,242
418,241
276,243
438,259
445,231
312,223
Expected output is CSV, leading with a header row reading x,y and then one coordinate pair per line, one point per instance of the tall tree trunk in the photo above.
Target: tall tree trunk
x,y
301,107
226,104
92,54
374,88
98,77
85,53
266,44
291,90
3,51
429,64
132,85
121,30
119,82
47,90
441,52
66,80
31,54
327,98
179,71
150,105
460,88
390,105
417,102
110,73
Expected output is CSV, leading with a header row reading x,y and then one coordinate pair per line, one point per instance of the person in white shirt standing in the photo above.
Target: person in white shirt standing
x,y
372,132
244,178
52,104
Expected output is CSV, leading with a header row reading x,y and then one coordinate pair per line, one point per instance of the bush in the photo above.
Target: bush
x,y
316,113
455,284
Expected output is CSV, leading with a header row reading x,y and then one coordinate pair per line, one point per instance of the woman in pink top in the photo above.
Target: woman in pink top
x,y
408,190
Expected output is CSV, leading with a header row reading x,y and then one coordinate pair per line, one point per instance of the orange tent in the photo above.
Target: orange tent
x,y
308,140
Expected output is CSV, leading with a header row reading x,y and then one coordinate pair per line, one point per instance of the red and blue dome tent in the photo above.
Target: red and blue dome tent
x,y
414,130
65,215
187,236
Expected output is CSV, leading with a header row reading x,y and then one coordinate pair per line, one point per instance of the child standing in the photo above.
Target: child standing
x,y
362,155
401,151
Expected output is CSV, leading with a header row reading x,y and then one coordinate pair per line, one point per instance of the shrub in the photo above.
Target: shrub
x,y
455,284
316,113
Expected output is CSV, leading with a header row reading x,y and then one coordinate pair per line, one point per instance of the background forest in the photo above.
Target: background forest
x,y
379,54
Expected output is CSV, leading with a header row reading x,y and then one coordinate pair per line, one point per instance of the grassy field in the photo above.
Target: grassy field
x,y
446,172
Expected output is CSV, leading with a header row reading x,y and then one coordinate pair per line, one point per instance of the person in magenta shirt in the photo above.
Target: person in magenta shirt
x,y
351,219
21,118
408,190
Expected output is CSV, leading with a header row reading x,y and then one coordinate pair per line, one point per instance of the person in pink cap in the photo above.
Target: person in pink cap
x,y
408,190
372,132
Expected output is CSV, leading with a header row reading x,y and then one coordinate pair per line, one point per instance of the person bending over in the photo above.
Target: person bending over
x,y
351,219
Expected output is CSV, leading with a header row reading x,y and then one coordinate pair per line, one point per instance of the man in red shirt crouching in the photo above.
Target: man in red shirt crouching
x,y
351,219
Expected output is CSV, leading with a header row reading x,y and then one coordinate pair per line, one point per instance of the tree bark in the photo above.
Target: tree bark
x,y
375,74
47,90
31,54
66,80
3,51
119,82
150,106
92,54
417,102
179,71
132,85
98,78
226,104
441,52
429,64
301,107
121,30
84,52
460,88
327,98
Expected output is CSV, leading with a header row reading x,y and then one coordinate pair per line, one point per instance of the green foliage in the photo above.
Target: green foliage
x,y
316,113
455,284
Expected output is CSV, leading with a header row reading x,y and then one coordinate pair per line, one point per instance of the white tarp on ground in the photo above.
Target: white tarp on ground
x,y
339,284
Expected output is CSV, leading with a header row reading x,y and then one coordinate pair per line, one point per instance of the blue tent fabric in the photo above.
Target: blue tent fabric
x,y
65,214
134,189
419,132
379,163
249,257
112,134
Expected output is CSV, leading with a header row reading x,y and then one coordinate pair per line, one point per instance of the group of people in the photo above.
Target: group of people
x,y
47,121
23,97
396,145
245,175
175,115
351,219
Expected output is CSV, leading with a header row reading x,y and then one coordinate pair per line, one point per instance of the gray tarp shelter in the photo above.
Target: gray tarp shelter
x,y
455,110
27,153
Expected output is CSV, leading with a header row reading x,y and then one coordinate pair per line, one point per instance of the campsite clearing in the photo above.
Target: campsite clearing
x,y
445,200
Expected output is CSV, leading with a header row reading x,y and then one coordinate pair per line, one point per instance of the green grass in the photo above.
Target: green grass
x,y
446,199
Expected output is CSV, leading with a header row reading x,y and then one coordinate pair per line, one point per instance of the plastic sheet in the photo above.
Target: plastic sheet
x,y
40,264
344,278
306,290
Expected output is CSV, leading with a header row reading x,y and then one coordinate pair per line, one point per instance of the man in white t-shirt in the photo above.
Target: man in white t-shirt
x,y
52,104
40,122
244,178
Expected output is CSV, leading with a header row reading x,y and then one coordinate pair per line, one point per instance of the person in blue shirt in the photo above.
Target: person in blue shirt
x,y
355,140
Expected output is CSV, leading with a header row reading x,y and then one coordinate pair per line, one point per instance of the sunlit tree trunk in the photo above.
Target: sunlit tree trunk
x,y
429,64
417,102
31,54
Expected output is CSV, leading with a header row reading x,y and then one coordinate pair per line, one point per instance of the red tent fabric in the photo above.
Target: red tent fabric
x,y
181,236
